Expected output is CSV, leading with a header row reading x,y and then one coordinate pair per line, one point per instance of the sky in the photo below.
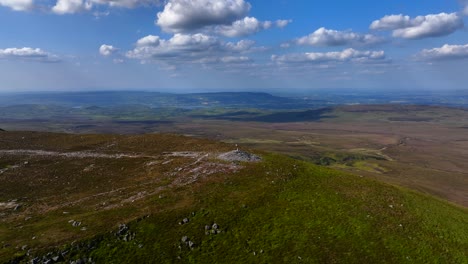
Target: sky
x,y
233,45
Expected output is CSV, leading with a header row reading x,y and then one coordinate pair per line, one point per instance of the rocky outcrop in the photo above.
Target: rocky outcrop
x,y
239,155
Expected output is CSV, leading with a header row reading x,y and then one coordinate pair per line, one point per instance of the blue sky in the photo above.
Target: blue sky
x,y
220,45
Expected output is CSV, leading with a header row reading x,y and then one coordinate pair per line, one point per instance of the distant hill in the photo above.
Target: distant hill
x,y
155,99
173,199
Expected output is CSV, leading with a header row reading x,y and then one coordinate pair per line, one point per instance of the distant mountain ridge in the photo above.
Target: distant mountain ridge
x,y
154,99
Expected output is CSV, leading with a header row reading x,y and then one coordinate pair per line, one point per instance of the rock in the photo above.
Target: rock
x,y
24,247
184,239
17,207
191,244
239,155
76,223
215,226
207,227
123,228
47,261
34,261
185,220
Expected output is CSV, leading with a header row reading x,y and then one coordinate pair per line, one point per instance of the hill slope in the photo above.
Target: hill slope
x,y
169,199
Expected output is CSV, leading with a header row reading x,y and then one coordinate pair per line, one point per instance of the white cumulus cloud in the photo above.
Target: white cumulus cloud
x,y
334,56
433,25
149,40
244,27
75,6
18,5
28,54
391,22
283,23
446,52
186,15
107,50
70,6
189,48
248,26
329,37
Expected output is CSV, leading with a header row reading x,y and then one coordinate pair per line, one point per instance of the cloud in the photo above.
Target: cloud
x,y
189,48
433,25
75,6
186,15
240,46
70,6
391,22
446,52
107,50
248,26
328,37
126,3
464,4
18,5
149,40
335,56
233,59
283,23
243,27
28,54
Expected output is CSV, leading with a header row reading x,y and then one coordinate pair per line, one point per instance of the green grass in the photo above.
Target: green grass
x,y
283,210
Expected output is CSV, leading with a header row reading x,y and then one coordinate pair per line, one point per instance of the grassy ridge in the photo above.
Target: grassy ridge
x,y
283,210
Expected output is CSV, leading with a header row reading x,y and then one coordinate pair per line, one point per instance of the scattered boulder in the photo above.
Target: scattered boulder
x,y
214,229
188,242
123,229
191,244
239,156
184,221
12,204
74,223
57,258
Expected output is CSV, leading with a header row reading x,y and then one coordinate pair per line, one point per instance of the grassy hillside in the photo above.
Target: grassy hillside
x,y
274,211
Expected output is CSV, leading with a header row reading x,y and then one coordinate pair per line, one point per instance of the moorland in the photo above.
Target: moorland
x,y
379,183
